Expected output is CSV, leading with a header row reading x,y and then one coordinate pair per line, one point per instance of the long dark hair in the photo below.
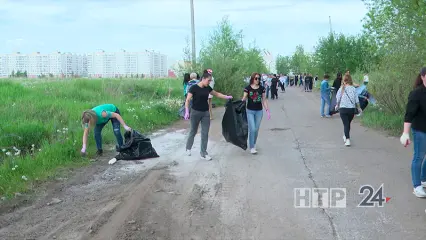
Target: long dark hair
x,y
186,78
418,82
253,75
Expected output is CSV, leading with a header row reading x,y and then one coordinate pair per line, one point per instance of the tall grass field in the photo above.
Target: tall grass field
x,y
41,130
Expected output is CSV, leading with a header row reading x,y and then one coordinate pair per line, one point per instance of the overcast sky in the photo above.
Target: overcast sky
x,y
135,25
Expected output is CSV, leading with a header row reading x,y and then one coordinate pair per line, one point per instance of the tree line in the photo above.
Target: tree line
x,y
391,48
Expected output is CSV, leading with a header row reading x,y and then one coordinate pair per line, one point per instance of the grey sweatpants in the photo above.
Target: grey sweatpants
x,y
196,117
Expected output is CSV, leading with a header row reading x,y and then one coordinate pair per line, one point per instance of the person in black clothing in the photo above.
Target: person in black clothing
x,y
274,87
255,94
296,79
200,114
311,82
335,87
308,83
338,81
415,119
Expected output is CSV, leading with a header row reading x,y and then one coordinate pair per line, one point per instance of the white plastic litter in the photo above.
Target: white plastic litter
x,y
112,161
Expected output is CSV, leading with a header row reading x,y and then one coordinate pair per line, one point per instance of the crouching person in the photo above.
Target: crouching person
x,y
98,117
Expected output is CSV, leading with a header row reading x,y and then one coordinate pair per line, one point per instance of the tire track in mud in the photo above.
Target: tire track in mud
x,y
137,192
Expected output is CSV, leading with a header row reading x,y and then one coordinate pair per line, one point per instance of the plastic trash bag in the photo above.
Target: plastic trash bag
x,y
234,124
333,102
136,147
181,111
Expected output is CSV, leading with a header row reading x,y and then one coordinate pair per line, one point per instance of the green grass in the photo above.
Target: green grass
x,y
375,118
40,130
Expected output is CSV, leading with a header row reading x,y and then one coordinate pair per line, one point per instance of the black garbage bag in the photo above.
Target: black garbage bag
x,y
234,124
136,147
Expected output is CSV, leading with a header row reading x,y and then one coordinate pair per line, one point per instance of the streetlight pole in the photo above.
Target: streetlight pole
x,y
193,33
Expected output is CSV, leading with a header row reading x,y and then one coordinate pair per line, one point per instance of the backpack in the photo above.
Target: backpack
x,y
190,84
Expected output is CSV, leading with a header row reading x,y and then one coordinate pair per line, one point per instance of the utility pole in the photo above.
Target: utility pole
x,y
194,56
329,20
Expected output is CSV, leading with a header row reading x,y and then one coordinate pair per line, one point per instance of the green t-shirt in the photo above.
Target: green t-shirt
x,y
108,108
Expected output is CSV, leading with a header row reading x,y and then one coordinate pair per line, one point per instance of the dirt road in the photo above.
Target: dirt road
x,y
236,195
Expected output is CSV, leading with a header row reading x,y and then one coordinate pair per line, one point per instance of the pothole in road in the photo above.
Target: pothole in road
x,y
279,129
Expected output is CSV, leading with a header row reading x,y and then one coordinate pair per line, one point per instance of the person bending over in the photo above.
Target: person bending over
x,y
97,118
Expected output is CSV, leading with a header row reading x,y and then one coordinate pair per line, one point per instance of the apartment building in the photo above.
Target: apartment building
x,y
126,64
36,64
96,65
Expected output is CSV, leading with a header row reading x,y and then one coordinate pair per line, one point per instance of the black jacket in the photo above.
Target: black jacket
x,y
416,109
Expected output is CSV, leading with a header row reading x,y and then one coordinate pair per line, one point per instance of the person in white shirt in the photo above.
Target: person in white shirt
x,y
347,104
282,83
211,84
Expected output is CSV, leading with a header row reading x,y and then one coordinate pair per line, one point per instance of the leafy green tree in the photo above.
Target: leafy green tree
x,y
230,61
283,64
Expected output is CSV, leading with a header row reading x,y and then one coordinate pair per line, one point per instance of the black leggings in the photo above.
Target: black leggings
x,y
347,115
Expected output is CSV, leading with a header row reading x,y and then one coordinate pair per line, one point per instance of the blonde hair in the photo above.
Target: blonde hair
x,y
193,76
89,117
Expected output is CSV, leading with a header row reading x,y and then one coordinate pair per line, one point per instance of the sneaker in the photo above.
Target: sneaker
x,y
188,152
253,151
423,184
206,157
344,138
327,116
99,152
347,142
419,192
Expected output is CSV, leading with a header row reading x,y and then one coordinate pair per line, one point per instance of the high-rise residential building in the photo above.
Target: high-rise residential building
x,y
36,64
127,64
98,64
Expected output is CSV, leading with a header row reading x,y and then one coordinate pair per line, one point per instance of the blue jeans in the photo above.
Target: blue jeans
x,y
325,99
116,128
418,169
254,117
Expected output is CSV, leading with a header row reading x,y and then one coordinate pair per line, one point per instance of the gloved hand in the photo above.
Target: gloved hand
x,y
83,150
128,129
269,114
186,114
228,97
405,139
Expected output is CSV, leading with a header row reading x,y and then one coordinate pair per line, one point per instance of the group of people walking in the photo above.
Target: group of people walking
x,y
306,80
344,97
198,111
350,100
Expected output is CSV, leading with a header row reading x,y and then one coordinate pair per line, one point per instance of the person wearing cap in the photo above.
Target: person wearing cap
x,y
415,120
